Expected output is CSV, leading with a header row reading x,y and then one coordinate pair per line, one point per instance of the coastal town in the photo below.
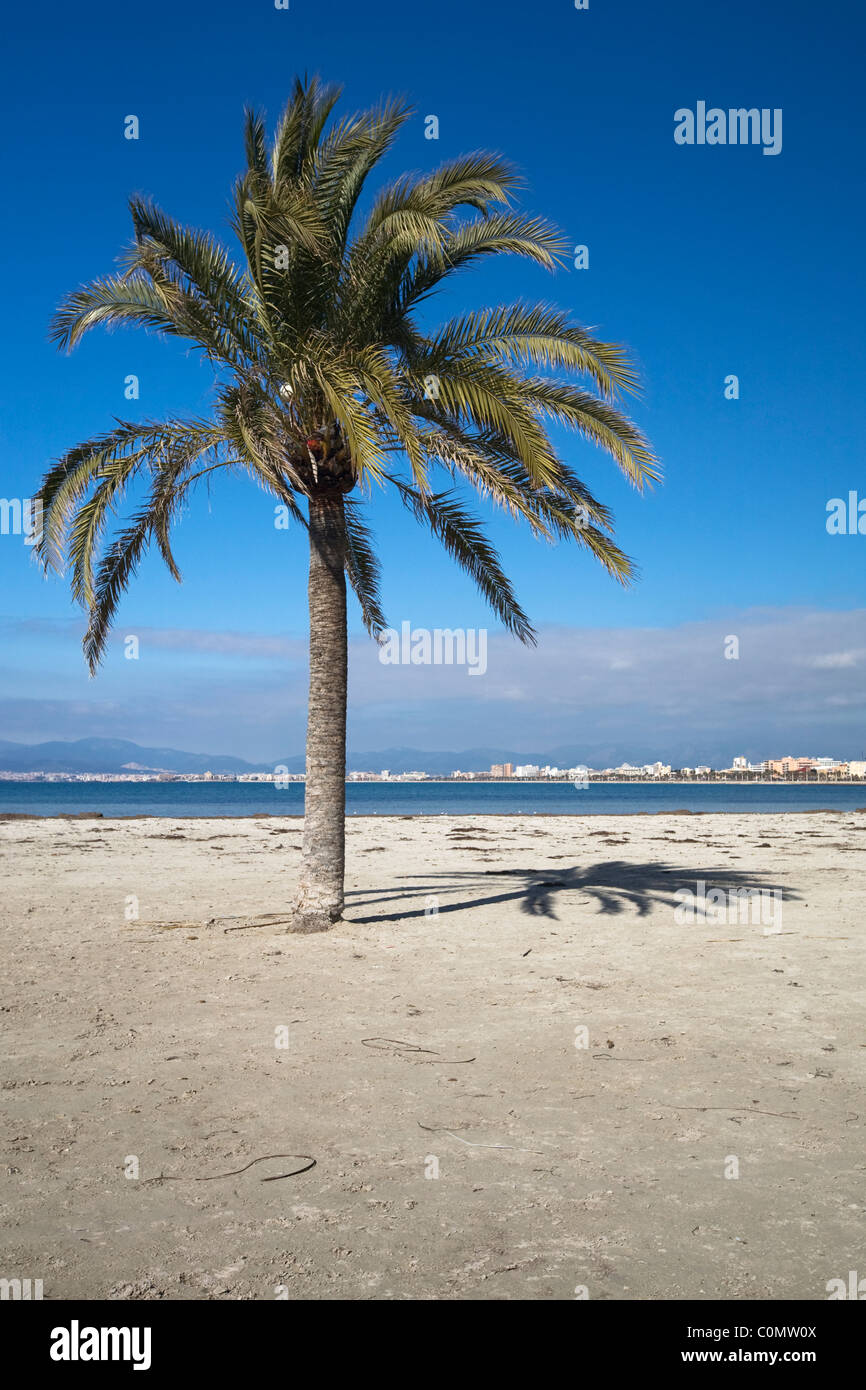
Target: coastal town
x,y
787,769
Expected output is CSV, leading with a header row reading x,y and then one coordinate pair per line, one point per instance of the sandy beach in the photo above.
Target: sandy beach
x,y
702,1138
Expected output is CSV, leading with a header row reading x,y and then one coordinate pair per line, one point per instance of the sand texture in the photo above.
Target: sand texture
x,y
434,1031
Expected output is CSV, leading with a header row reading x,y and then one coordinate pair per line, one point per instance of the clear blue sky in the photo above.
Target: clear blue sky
x,y
706,261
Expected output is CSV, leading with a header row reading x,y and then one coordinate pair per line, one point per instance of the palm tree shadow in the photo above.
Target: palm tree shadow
x,y
615,886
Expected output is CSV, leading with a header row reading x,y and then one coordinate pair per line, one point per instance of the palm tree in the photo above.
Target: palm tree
x,y
326,383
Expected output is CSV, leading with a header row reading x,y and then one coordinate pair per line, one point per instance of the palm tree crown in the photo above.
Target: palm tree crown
x,y
325,379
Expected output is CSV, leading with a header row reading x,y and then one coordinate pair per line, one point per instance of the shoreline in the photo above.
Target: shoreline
x,y
398,781
436,815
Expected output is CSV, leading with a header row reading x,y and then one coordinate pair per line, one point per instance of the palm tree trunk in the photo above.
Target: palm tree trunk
x,y
319,900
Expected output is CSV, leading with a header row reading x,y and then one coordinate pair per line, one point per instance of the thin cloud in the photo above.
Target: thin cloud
x,y
613,694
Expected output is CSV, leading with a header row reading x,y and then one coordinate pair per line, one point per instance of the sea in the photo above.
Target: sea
x,y
173,799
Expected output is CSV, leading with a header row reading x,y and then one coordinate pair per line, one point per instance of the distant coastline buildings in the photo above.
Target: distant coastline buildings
x,y
787,769
771,769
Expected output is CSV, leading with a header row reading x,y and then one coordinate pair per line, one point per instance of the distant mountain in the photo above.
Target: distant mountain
x,y
116,756
113,755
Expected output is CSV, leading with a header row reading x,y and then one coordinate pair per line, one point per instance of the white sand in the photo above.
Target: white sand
x,y
124,1038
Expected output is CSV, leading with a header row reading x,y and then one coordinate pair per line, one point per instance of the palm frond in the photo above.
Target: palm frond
x,y
111,460
463,538
600,422
539,335
111,300
363,569
300,128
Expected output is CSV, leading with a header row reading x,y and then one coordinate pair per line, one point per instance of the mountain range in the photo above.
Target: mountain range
x,y
116,756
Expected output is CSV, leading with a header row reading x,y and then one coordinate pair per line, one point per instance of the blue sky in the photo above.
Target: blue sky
x,y
705,261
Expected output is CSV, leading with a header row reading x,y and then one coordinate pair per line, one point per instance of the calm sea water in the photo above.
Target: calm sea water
x,y
414,799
